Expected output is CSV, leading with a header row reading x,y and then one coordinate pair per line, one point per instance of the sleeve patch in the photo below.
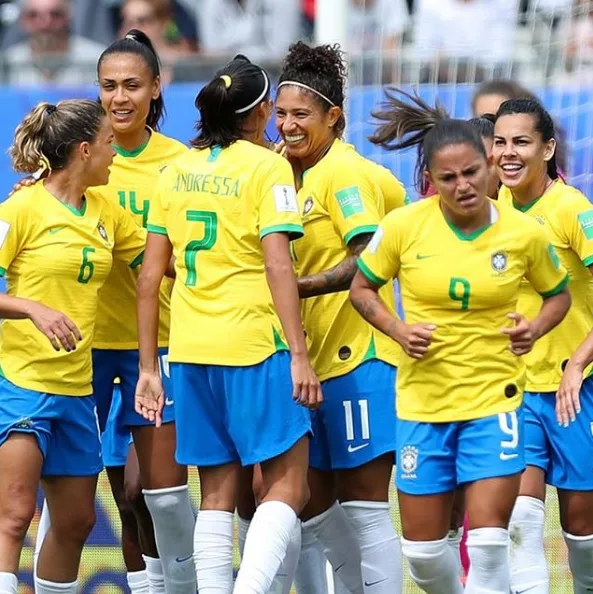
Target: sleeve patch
x,y
586,222
285,198
350,201
553,256
373,245
4,229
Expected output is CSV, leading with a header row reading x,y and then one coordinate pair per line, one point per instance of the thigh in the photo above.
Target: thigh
x,y
263,421
426,457
490,502
369,482
75,447
115,439
104,373
358,414
571,467
70,500
200,417
219,486
490,447
425,517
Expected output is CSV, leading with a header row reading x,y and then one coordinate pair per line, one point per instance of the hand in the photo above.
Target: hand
x,y
414,338
150,397
521,335
59,328
306,388
25,183
279,147
568,404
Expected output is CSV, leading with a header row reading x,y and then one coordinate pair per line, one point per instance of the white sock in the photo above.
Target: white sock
x,y
154,573
489,562
310,577
454,539
580,561
9,583
173,519
213,551
243,526
265,548
138,582
282,583
380,549
528,565
432,566
340,545
337,584
47,587
44,525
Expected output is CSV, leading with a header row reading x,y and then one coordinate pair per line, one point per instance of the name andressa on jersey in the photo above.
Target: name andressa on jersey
x,y
216,185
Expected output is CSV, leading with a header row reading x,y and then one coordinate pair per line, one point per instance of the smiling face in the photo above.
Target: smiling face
x,y
520,153
459,173
303,124
127,89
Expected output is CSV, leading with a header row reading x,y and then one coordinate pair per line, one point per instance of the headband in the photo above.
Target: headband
x,y
260,98
304,86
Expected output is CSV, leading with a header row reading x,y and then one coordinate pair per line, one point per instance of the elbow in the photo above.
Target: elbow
x,y
278,268
147,285
565,301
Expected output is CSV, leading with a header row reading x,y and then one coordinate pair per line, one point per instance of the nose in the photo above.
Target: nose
x,y
463,185
288,124
120,95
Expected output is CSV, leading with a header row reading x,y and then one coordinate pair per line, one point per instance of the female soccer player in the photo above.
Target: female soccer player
x,y
557,454
227,211
57,245
130,92
460,259
342,204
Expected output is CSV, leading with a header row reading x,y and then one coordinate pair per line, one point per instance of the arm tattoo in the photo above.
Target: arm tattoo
x,y
366,305
339,277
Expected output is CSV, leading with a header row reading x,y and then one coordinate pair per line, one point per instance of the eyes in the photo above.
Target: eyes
x,y
518,142
467,173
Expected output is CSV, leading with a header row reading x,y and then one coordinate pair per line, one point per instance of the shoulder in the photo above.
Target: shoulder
x,y
518,223
570,198
167,146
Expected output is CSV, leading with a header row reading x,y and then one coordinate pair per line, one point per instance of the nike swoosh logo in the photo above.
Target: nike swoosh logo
x,y
369,584
353,449
424,257
339,567
183,559
56,229
169,402
504,456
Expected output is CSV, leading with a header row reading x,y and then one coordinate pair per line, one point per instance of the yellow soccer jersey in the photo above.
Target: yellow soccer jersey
x,y
465,285
216,206
394,192
339,200
567,218
132,184
60,257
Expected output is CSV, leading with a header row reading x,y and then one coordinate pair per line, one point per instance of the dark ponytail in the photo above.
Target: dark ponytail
x,y
138,43
227,101
544,124
413,122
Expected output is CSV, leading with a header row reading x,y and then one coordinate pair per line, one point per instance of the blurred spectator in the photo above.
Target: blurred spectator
x,y
308,9
576,39
375,32
260,29
155,18
466,37
50,54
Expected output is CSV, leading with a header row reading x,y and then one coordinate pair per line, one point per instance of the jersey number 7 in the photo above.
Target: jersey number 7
x,y
210,221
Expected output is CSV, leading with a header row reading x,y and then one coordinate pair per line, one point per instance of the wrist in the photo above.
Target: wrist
x,y
395,330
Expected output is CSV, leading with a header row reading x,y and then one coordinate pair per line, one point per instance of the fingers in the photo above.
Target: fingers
x,y
73,328
419,340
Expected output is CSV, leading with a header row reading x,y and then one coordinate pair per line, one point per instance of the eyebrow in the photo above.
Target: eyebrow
x,y
126,80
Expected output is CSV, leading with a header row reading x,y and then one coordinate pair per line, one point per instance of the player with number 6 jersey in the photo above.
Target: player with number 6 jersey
x,y
57,246
460,259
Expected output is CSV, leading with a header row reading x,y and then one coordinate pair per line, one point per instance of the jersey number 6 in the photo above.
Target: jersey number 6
x,y
210,221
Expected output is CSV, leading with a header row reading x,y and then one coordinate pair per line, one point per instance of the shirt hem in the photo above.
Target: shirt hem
x,y
429,416
48,388
394,361
123,346
220,361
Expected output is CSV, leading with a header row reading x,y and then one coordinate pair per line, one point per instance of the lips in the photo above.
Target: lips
x,y
511,170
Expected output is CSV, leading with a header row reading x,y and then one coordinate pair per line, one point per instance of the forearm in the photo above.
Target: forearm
x,y
334,280
148,323
283,287
372,308
14,308
552,312
583,356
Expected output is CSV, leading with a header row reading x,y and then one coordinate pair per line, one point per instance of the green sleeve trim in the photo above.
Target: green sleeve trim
x,y
294,231
557,290
137,260
360,231
370,274
156,229
2,272
588,261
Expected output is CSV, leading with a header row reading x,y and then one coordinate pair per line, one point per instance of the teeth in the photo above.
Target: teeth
x,y
121,112
294,138
511,167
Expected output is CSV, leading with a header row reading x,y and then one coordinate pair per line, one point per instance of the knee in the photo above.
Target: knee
x,y
424,558
75,525
16,516
133,493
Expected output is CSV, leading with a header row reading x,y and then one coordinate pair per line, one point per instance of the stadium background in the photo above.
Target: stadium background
x,y
102,570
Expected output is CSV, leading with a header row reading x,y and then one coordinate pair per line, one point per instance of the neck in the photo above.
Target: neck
x,y
133,140
66,188
316,156
468,224
533,191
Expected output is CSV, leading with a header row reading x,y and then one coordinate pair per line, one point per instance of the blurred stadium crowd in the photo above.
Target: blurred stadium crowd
x,y
57,42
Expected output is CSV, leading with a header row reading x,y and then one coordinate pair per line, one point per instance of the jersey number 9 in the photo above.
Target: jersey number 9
x,y
460,290
210,221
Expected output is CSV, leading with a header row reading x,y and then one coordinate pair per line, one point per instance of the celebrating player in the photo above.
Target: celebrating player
x,y
460,260
342,204
557,452
57,244
227,211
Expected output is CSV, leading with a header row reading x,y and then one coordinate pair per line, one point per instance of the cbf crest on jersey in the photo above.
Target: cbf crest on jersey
x,y
308,205
102,232
408,461
498,260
